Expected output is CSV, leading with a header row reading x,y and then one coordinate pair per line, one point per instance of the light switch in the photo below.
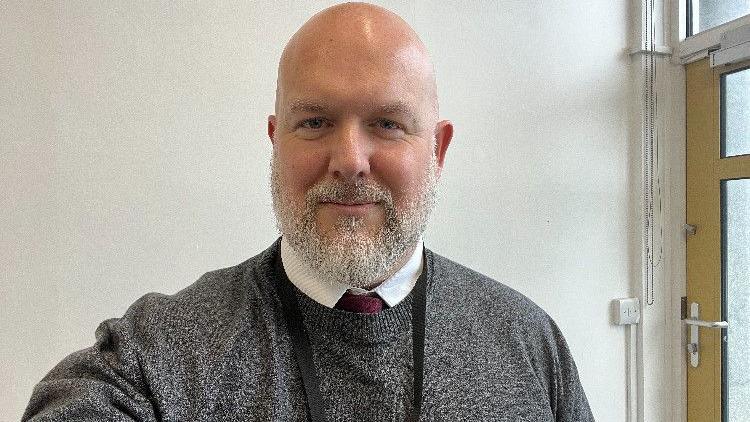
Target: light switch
x,y
626,311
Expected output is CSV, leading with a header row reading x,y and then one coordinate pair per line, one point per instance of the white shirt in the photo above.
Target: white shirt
x,y
392,290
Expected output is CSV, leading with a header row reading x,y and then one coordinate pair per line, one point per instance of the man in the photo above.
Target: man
x,y
347,316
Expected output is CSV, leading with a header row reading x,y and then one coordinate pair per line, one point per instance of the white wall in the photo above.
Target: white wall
x,y
134,158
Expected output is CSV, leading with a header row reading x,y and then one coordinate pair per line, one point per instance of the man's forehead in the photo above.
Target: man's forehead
x,y
363,65
366,86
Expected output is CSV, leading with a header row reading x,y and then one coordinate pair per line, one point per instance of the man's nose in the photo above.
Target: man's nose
x,y
350,153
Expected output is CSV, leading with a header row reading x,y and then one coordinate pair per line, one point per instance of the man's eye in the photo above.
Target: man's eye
x,y
313,123
388,124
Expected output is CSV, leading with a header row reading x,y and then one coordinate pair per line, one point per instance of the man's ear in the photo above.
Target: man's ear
x,y
443,136
271,127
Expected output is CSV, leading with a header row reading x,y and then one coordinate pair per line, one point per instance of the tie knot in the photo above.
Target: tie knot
x,y
361,304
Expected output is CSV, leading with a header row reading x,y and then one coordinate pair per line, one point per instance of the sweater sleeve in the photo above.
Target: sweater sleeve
x,y
570,400
102,382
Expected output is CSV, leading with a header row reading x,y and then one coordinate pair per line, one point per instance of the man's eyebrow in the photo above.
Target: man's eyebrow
x,y
398,107
300,105
395,107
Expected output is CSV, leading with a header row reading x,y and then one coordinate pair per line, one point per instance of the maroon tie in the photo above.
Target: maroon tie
x,y
361,304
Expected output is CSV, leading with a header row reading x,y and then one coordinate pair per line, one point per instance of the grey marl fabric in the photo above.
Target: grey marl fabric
x,y
219,351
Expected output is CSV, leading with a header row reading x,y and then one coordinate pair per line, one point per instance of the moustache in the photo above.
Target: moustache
x,y
333,191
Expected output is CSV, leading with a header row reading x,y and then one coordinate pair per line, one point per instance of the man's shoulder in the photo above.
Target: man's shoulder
x,y
485,324
468,301
217,298
474,289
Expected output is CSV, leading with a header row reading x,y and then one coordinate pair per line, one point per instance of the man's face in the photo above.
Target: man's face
x,y
354,165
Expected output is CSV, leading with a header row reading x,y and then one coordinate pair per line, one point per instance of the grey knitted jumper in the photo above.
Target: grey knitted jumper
x,y
220,350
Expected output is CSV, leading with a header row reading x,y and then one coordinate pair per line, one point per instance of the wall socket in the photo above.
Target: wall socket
x,y
626,311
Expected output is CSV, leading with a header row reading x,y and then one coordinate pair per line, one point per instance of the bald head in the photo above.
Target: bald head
x,y
360,41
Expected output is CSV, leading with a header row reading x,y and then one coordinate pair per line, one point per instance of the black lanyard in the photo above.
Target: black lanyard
x,y
303,350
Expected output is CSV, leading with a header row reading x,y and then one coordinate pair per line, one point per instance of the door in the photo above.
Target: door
x,y
718,253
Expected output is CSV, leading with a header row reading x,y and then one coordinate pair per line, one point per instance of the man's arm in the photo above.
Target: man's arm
x,y
570,400
102,382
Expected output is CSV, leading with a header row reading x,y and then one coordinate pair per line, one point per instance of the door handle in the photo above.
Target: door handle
x,y
706,324
694,323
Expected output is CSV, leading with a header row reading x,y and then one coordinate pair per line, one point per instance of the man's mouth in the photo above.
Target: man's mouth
x,y
349,207
348,203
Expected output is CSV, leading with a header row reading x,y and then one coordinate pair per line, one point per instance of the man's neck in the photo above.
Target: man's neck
x,y
392,288
397,265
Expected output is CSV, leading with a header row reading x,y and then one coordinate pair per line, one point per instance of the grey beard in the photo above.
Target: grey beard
x,y
351,255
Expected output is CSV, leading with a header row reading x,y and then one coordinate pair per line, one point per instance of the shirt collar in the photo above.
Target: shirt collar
x,y
392,290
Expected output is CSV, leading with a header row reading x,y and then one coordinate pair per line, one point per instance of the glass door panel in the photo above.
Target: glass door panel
x,y
736,280
712,13
735,113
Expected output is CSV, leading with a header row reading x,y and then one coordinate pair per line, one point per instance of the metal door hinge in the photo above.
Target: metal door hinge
x,y
683,307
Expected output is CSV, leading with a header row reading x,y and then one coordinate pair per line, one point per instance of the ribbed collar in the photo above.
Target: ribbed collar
x,y
307,280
